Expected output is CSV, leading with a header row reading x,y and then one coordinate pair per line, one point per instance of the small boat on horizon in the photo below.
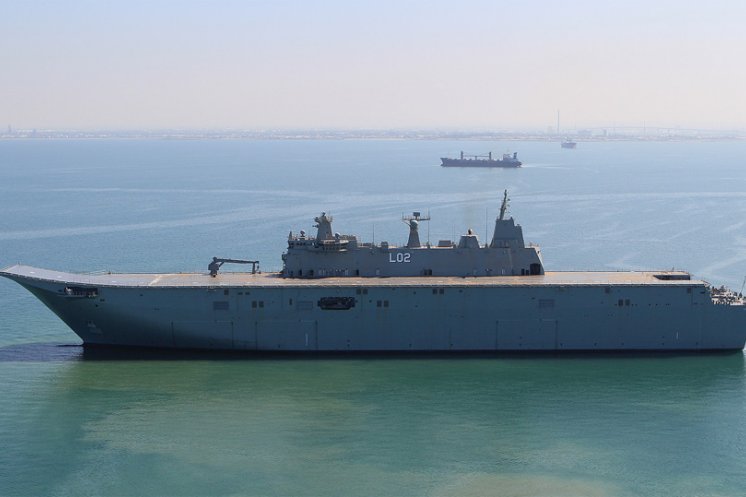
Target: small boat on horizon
x,y
508,160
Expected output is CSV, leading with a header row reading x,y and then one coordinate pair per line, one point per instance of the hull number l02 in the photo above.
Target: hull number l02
x,y
400,257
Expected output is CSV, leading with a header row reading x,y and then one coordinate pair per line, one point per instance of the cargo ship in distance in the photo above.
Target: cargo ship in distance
x,y
507,160
338,294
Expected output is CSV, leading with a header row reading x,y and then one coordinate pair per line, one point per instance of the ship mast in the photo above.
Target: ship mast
x,y
413,222
504,206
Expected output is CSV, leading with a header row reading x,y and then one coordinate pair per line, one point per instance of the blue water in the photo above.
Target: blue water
x,y
80,423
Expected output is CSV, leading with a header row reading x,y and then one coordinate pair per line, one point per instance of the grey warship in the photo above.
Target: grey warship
x,y
338,294
507,160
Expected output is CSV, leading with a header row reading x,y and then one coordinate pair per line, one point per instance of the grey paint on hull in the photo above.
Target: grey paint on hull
x,y
519,317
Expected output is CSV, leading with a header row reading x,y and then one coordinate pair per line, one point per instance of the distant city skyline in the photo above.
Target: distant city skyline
x,y
478,64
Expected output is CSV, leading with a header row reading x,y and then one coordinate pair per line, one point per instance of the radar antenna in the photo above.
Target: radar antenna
x,y
504,206
416,216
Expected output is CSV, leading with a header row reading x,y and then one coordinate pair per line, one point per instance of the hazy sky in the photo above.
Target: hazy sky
x,y
378,64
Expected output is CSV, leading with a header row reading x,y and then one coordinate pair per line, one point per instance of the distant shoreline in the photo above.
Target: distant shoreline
x,y
659,135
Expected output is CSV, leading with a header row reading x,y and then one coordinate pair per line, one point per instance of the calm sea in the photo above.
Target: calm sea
x,y
73,423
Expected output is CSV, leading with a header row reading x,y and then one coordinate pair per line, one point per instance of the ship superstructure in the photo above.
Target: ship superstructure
x,y
332,254
336,293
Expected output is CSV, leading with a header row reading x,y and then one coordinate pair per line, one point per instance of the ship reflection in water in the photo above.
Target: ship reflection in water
x,y
547,425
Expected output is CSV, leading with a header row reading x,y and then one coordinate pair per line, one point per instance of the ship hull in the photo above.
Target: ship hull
x,y
445,162
510,314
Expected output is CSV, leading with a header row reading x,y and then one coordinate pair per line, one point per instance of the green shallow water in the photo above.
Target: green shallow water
x,y
108,424
566,426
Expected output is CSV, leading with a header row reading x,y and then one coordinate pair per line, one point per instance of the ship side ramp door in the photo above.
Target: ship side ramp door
x,y
286,334
527,334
